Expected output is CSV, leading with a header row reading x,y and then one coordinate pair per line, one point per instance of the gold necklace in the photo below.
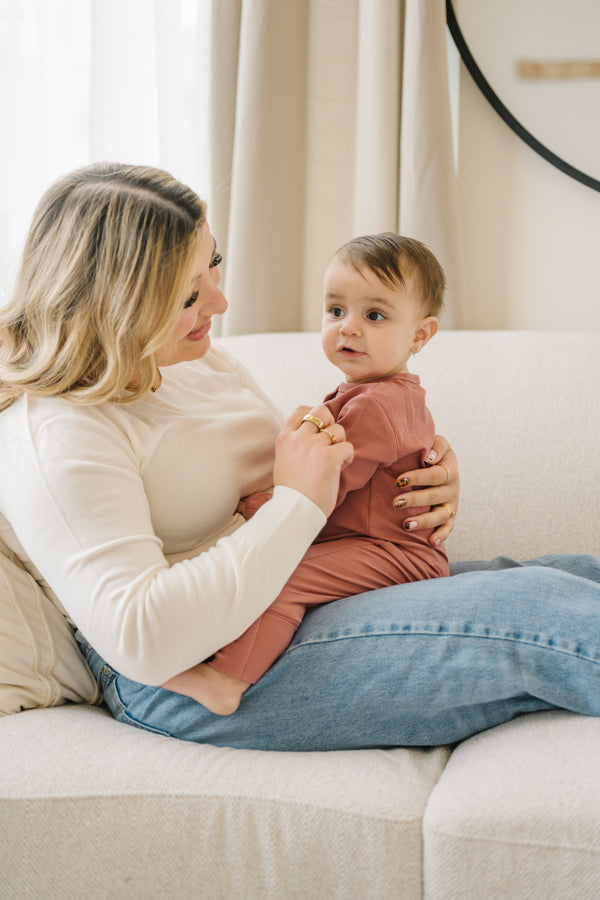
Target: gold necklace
x,y
154,387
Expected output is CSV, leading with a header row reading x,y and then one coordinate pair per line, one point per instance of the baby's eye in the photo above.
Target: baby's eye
x,y
215,261
336,311
191,300
375,316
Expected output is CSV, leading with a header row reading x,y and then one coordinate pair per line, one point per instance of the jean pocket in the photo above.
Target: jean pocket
x,y
130,711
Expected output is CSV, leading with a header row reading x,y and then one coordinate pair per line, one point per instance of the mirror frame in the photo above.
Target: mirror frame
x,y
491,96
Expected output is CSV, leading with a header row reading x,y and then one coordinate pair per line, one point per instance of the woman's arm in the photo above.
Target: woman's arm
x,y
72,489
435,486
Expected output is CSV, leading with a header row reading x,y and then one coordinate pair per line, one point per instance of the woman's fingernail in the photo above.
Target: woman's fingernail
x,y
400,502
402,482
429,459
410,525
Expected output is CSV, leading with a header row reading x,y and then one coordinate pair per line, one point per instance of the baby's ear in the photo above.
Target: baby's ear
x,y
424,331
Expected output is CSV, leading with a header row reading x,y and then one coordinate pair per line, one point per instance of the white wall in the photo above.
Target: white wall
x,y
530,232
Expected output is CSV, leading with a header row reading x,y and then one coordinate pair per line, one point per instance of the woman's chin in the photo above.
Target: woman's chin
x,y
196,349
187,351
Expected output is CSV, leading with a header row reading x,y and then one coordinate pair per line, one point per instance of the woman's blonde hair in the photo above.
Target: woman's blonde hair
x,y
100,286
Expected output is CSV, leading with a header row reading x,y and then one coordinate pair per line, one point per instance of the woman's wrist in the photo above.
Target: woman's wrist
x,y
302,504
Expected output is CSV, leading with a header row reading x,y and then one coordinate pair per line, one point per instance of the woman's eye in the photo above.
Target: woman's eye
x,y
216,261
191,300
375,316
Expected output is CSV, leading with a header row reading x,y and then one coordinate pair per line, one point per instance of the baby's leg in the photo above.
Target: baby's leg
x,y
217,691
328,571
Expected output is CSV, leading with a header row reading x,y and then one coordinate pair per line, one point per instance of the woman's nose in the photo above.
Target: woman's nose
x,y
218,299
220,304
213,304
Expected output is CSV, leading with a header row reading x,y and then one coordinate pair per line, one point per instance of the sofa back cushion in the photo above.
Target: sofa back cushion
x,y
519,408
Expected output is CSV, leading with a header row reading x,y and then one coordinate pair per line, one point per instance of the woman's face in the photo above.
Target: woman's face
x,y
190,338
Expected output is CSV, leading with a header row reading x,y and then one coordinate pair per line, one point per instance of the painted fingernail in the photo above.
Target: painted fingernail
x,y
402,482
400,502
429,459
410,525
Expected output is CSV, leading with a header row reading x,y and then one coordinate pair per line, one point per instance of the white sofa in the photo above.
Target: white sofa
x,y
90,807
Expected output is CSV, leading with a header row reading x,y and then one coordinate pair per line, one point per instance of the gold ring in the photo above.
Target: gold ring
x,y
329,435
450,510
447,471
315,420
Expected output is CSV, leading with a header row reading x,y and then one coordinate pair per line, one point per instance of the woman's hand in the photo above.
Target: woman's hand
x,y
310,458
437,486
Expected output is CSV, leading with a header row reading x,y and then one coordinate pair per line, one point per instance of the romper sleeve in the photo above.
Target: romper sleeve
x,y
375,440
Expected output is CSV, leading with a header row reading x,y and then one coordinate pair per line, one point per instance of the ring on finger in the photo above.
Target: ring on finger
x,y
315,421
329,435
450,510
447,471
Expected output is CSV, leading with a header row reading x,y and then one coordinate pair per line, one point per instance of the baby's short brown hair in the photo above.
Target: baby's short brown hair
x,y
395,258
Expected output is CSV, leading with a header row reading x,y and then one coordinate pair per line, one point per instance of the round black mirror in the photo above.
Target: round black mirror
x,y
586,69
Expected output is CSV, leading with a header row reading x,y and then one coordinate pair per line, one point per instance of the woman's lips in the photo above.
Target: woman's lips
x,y
199,333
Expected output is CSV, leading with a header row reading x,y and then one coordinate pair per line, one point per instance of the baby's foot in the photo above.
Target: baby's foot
x,y
218,692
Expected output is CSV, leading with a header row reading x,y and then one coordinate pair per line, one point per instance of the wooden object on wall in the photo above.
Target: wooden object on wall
x,y
560,69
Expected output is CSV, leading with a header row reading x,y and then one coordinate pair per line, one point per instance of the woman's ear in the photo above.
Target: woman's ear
x,y
424,331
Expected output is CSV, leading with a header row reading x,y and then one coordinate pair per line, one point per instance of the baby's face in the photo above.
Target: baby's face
x,y
369,330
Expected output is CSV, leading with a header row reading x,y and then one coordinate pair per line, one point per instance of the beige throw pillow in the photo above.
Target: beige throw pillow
x,y
40,663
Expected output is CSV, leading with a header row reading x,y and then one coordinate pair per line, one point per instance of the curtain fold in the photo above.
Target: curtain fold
x,y
428,184
330,118
261,225
378,110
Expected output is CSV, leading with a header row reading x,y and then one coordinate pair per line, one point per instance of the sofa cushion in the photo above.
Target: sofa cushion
x,y
40,664
151,816
517,813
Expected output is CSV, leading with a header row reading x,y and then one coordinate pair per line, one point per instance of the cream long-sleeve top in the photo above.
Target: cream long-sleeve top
x,y
106,504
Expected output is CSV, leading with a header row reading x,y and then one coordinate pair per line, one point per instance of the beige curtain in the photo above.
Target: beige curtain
x,y
330,118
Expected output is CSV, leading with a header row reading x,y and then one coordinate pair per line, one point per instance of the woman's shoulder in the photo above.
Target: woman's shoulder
x,y
37,412
50,427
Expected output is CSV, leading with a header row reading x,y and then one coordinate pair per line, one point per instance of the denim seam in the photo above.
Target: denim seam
x,y
125,717
544,644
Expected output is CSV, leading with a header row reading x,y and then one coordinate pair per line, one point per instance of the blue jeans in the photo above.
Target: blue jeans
x,y
419,664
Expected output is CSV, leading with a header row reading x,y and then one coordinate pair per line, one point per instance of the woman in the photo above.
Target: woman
x,y
126,438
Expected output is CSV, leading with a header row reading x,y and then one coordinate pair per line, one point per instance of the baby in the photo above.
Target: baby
x,y
383,295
